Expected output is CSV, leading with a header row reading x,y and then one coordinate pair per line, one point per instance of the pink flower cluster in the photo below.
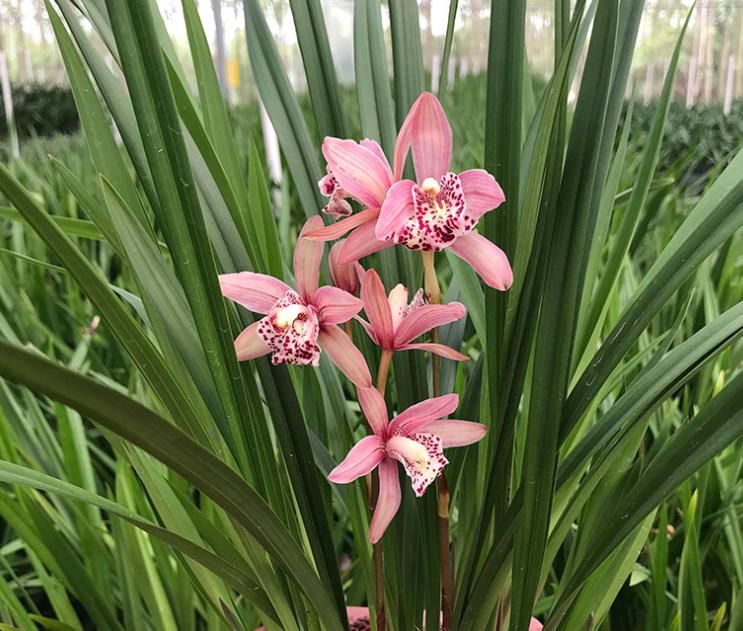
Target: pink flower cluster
x,y
437,211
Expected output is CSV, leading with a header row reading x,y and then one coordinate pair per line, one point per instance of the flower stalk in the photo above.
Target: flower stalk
x,y
433,294
383,372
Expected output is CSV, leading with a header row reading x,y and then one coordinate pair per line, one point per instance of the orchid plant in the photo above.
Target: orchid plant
x,y
357,398
440,212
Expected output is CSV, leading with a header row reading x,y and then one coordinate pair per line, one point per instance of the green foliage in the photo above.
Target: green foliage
x,y
149,481
42,110
697,140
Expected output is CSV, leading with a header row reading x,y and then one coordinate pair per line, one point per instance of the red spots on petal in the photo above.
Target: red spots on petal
x,y
337,207
439,218
290,330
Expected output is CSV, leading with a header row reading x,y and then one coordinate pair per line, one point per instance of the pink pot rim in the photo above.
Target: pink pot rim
x,y
356,613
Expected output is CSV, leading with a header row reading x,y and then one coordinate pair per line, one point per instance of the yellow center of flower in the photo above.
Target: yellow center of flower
x,y
417,456
287,316
430,187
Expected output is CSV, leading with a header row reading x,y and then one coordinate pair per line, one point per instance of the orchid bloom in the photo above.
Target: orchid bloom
x,y
297,323
416,438
440,210
357,170
394,324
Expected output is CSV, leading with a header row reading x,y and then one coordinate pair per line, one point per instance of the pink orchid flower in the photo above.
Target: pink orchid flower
x,y
297,323
416,438
440,210
394,324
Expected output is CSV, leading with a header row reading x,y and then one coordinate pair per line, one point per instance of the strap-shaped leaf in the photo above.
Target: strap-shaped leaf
x,y
319,70
234,576
145,429
282,106
128,332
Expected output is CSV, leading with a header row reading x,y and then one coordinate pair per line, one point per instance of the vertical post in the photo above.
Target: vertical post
x,y
273,153
729,86
435,73
8,106
738,91
451,73
219,44
691,81
648,92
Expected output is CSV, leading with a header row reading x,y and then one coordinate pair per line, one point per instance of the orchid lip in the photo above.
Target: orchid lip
x,y
291,330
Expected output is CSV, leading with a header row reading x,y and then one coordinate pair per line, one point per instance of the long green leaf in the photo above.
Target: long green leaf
x,y
145,429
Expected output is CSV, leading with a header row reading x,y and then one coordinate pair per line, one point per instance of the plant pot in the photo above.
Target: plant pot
x,y
358,620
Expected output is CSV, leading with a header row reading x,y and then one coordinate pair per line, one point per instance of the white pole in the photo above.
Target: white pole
x,y
649,81
451,72
273,153
8,106
691,82
729,86
435,73
220,46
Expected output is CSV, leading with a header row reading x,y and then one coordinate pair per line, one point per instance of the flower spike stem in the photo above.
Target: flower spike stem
x,y
382,374
384,370
433,293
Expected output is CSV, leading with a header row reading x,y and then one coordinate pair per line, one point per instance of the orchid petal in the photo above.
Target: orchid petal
x,y
363,458
359,170
342,352
388,501
335,306
422,456
442,350
360,243
423,413
456,433
307,260
425,318
374,408
344,277
427,132
339,228
249,344
256,292
481,192
487,259
398,300
396,210
373,146
377,308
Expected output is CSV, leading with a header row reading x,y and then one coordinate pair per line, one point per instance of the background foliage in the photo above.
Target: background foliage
x,y
151,482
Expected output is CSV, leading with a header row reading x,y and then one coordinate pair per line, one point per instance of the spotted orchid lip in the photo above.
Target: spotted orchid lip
x,y
338,206
290,330
439,215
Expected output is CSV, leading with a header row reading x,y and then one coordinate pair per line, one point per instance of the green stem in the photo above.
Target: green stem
x,y
383,372
433,294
